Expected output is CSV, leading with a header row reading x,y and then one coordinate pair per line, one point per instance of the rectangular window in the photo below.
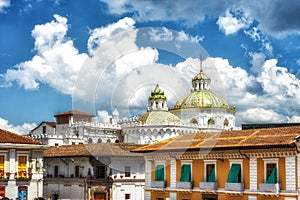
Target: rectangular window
x,y
127,171
77,171
159,173
22,169
210,173
2,167
127,196
186,173
44,129
55,171
235,174
100,171
271,173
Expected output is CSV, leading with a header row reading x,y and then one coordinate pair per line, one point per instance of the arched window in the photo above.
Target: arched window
x,y
99,140
194,121
90,141
211,122
108,141
226,122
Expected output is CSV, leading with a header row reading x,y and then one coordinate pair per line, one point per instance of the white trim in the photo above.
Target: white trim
x,y
173,172
270,161
253,173
161,163
290,173
209,162
237,161
187,162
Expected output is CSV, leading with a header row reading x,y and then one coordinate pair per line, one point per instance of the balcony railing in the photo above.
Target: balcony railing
x,y
158,184
208,185
269,187
238,187
184,185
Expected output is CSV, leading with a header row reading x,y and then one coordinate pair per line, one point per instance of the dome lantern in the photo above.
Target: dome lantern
x,y
157,100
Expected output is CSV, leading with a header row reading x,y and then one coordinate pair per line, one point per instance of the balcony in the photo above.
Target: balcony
x,y
238,187
269,187
208,185
184,185
158,184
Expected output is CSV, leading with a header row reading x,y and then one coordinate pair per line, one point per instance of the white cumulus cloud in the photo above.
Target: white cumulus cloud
x,y
56,62
260,115
4,4
230,24
20,129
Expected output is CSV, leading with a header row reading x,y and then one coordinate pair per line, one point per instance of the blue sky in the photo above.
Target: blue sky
x,y
50,52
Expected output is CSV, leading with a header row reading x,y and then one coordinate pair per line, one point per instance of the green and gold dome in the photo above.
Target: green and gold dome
x,y
157,109
158,117
201,96
201,99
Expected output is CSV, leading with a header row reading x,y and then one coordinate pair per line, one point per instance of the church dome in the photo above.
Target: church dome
x,y
157,109
201,99
158,117
201,96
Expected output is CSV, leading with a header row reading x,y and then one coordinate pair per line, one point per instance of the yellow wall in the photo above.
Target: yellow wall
x,y
168,171
181,195
281,173
178,170
153,171
231,197
260,172
246,173
222,172
155,195
198,172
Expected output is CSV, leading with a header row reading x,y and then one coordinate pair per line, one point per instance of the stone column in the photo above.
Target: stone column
x,y
290,170
172,173
253,173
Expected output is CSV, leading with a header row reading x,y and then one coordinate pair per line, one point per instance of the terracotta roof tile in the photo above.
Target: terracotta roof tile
x,y
253,138
9,137
103,149
52,124
68,150
74,112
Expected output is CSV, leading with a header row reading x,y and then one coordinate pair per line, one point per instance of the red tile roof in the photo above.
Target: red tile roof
x,y
103,149
254,138
9,137
74,112
52,124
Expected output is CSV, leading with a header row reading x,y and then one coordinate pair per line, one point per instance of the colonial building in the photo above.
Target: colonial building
x,y
74,127
21,166
94,171
239,164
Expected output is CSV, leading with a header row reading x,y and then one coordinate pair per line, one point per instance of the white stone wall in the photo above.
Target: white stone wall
x,y
39,130
173,173
173,196
134,189
66,166
148,173
72,192
136,164
253,173
290,168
